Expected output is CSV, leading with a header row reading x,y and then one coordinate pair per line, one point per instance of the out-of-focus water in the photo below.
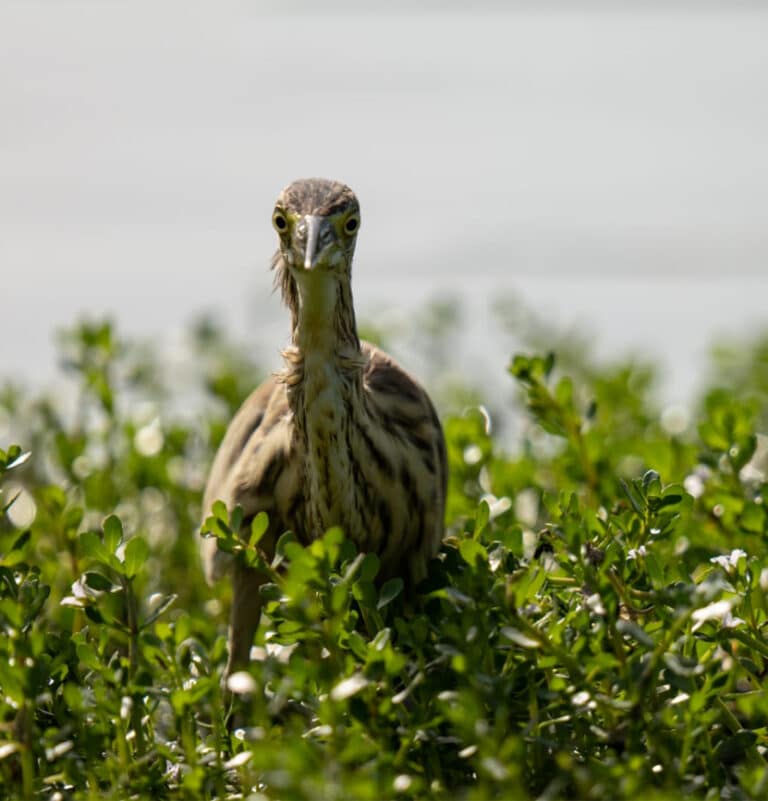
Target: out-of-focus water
x,y
609,165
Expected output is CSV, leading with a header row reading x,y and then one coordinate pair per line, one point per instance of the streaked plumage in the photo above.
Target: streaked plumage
x,y
343,435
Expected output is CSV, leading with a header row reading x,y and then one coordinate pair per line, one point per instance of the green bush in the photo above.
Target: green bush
x,y
594,626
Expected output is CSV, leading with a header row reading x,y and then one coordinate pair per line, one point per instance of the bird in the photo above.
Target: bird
x,y
341,436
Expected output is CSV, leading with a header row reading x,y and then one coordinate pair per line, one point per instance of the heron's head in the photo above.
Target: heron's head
x,y
317,223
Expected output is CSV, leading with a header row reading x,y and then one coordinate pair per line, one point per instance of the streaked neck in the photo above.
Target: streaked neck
x,y
326,396
324,320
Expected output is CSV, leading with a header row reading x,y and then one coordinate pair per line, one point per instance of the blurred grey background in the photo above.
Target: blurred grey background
x,y
605,162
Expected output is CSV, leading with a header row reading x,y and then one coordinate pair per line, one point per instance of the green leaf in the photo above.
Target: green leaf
x,y
20,459
236,518
520,367
284,541
270,592
90,546
98,582
512,539
11,682
655,571
87,655
73,516
219,529
631,629
517,637
528,585
136,553
753,518
743,451
11,610
93,614
357,645
650,477
162,606
389,591
369,568
670,500
21,540
637,504
472,552
259,526
481,519
113,533
564,392
365,593
352,569
219,510
713,437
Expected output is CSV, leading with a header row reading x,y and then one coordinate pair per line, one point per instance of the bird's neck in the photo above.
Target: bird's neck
x,y
324,373
324,332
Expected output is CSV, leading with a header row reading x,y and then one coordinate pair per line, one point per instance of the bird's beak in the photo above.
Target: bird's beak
x,y
311,251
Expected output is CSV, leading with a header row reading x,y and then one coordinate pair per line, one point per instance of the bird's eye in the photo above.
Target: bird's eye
x,y
351,225
279,221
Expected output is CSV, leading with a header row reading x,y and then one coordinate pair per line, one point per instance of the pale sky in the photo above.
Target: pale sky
x,y
609,166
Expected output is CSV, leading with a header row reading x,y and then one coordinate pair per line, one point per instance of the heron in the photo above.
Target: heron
x,y
341,436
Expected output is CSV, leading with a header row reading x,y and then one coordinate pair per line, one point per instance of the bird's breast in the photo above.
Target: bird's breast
x,y
327,419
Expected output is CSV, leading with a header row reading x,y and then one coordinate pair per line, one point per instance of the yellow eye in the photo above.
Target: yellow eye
x,y
280,222
352,224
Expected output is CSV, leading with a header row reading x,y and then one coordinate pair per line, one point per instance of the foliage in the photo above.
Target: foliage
x,y
594,625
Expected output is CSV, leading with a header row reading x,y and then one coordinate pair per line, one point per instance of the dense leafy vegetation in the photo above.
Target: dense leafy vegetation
x,y
594,627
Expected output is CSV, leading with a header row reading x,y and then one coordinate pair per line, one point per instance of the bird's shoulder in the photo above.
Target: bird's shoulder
x,y
385,377
403,408
396,392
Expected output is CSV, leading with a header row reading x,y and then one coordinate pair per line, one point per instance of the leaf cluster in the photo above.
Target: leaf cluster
x,y
594,625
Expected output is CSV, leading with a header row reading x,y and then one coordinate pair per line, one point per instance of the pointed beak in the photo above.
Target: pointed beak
x,y
311,251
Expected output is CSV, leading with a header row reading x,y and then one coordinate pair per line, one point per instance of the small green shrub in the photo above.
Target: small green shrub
x,y
594,626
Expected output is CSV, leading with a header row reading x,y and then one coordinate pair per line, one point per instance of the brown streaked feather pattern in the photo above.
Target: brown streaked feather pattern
x,y
342,436
317,196
265,463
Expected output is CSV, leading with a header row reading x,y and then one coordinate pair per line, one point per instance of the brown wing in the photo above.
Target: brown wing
x,y
249,464
405,410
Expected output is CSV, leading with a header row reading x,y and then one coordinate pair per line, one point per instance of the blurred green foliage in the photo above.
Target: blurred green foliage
x,y
594,626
